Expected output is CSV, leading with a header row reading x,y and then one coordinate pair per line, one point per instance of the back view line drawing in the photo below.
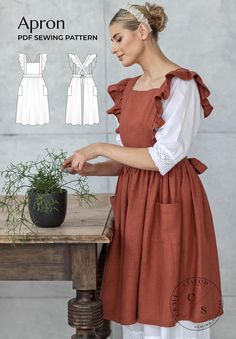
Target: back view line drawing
x,y
82,102
32,99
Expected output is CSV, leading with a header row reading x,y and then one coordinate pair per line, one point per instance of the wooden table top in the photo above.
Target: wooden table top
x,y
86,224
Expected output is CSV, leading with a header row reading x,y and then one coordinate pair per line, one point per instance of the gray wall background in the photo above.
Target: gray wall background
x,y
199,36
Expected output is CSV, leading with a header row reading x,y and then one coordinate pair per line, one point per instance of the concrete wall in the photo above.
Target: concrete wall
x,y
199,36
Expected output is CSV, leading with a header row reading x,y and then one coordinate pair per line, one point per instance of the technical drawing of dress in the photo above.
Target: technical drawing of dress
x,y
82,102
32,99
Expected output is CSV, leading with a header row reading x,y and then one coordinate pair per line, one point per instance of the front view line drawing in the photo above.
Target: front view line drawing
x,y
32,99
82,102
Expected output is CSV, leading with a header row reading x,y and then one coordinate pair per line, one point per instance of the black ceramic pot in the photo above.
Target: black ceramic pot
x,y
52,218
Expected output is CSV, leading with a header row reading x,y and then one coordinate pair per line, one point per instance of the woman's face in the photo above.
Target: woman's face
x,y
126,44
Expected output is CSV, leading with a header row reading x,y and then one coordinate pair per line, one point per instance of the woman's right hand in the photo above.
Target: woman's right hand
x,y
105,168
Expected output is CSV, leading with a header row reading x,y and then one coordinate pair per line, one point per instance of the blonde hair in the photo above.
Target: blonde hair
x,y
155,15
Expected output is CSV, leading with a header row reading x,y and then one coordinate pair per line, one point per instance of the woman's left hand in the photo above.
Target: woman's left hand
x,y
77,160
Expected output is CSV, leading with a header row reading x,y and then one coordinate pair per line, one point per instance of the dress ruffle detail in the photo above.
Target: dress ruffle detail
x,y
22,62
43,61
116,92
204,93
158,120
163,92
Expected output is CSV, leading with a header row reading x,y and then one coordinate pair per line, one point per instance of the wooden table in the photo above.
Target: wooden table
x,y
67,252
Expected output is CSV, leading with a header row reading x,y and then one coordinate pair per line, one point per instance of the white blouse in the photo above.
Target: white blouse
x,y
182,113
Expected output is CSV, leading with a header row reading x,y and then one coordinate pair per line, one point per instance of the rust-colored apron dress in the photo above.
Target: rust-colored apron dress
x,y
163,227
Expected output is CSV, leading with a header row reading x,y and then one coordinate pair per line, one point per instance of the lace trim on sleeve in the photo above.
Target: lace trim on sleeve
x,y
162,158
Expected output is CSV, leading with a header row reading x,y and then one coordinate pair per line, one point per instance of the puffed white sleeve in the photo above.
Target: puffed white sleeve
x,y
118,139
182,113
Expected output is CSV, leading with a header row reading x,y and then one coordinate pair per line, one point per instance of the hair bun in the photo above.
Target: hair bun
x,y
158,16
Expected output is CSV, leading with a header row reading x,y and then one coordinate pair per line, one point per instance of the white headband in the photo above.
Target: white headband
x,y
138,15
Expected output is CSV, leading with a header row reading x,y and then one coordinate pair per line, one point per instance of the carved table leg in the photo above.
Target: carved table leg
x,y
84,311
104,331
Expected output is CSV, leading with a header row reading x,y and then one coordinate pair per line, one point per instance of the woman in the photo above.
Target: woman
x,y
161,276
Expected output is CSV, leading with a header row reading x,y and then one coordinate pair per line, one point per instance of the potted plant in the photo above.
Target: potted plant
x,y
45,200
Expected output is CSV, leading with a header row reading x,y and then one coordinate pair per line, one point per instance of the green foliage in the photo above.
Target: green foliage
x,y
40,176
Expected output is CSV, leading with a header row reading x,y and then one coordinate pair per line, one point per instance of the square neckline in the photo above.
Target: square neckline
x,y
135,79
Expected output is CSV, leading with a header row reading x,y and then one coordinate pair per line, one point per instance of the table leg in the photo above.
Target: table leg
x,y
105,330
84,311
